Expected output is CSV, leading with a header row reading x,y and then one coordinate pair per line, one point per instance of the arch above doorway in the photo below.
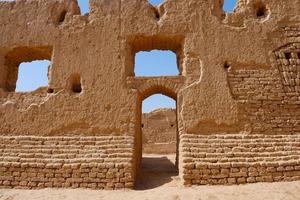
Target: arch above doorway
x,y
147,86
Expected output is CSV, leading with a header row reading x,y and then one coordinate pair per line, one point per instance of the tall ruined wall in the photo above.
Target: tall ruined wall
x,y
239,75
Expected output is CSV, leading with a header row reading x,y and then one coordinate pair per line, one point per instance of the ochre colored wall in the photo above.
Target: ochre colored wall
x,y
239,75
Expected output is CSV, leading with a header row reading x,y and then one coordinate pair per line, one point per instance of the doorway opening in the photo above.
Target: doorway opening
x,y
159,142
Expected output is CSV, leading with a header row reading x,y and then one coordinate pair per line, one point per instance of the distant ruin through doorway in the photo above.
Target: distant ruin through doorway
x,y
159,142
159,125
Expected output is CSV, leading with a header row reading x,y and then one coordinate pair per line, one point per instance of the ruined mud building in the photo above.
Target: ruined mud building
x,y
237,94
159,129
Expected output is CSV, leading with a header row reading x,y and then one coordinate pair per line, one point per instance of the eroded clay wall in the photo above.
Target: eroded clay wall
x,y
76,49
239,74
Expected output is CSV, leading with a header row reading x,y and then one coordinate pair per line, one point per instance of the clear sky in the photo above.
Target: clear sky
x,y
155,63
228,5
32,75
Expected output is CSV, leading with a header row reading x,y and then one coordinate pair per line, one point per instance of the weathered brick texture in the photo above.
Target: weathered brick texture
x,y
239,159
237,92
89,162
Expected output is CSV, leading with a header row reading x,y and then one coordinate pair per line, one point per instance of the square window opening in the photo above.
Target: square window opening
x,y
156,63
25,69
154,56
32,75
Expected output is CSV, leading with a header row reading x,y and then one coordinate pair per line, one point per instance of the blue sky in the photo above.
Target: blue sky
x,y
32,75
228,5
155,63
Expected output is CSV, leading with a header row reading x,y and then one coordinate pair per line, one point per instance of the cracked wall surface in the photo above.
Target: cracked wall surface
x,y
239,75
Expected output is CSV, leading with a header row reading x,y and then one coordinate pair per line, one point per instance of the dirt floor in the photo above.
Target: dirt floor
x,y
159,180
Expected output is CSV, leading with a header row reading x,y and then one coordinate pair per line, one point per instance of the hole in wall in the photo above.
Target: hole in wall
x,y
261,12
298,55
159,142
261,9
156,63
157,15
288,55
226,65
32,75
76,88
50,90
229,5
75,83
62,16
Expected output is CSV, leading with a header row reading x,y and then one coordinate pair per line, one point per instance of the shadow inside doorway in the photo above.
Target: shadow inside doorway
x,y
157,170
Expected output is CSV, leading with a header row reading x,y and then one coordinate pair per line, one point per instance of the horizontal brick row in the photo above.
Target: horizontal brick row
x,y
208,159
88,162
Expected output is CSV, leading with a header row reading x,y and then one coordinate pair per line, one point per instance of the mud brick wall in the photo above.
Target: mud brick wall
x,y
238,75
265,106
239,159
88,162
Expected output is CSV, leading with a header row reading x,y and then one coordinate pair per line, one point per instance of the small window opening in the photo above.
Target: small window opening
x,y
32,75
62,16
76,84
261,9
226,65
157,15
156,63
229,5
261,12
155,2
84,6
288,55
298,54
77,88
50,90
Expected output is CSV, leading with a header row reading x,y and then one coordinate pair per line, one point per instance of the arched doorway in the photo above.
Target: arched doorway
x,y
158,138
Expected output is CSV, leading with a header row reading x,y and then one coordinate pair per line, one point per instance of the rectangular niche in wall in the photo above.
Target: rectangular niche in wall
x,y
26,69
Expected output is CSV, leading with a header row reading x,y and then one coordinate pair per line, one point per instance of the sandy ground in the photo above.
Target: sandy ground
x,y
159,180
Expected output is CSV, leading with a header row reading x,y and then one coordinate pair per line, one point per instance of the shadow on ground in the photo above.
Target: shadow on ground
x,y
156,171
